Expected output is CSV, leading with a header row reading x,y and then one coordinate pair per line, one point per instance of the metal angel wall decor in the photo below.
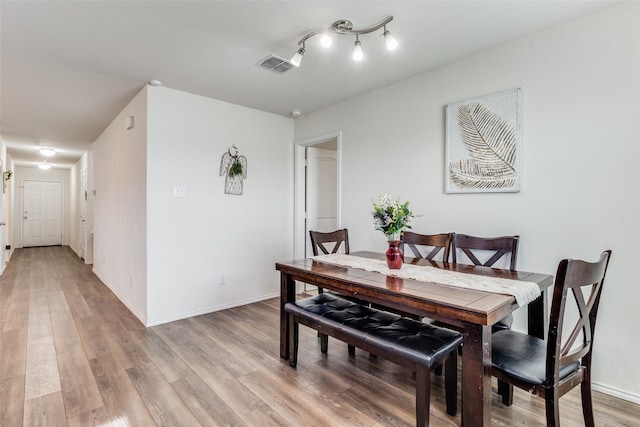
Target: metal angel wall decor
x,y
234,166
483,144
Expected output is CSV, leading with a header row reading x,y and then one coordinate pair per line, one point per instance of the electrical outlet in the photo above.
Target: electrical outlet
x,y
222,280
179,191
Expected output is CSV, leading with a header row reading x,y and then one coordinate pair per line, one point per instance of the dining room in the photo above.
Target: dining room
x,y
567,205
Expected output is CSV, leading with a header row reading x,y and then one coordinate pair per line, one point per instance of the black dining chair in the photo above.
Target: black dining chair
x,y
333,240
330,243
551,368
422,246
427,246
486,252
337,238
496,248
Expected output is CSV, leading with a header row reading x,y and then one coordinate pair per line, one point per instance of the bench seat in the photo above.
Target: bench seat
x,y
415,345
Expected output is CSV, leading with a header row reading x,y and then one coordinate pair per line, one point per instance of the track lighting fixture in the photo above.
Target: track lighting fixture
x,y
345,28
391,41
297,58
326,41
357,50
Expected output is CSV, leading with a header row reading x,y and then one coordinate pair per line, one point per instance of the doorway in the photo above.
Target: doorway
x,y
42,213
317,189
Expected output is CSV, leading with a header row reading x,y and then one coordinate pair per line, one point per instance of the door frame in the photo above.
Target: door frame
x,y
299,235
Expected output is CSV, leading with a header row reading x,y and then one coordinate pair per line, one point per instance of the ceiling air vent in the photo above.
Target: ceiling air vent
x,y
275,64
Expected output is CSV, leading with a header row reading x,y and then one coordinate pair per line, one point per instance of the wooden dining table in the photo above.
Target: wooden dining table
x,y
468,310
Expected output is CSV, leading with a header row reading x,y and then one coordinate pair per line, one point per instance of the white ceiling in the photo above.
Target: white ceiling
x,y
68,67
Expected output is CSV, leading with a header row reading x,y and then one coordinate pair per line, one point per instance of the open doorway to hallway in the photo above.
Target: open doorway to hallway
x,y
317,189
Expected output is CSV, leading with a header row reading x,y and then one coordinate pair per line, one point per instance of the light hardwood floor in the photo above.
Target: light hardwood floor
x,y
72,354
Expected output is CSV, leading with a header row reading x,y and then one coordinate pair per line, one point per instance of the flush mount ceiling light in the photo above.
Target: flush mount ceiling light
x,y
44,165
345,27
48,152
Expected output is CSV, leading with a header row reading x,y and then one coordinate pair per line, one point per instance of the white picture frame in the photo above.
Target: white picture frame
x,y
484,144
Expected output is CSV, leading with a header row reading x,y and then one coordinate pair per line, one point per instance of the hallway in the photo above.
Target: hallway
x,y
72,355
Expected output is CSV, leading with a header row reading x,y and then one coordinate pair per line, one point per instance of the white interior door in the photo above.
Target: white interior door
x,y
42,213
321,191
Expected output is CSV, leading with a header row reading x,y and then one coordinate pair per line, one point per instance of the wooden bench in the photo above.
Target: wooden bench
x,y
415,345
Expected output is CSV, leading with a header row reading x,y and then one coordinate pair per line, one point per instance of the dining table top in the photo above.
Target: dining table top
x,y
435,300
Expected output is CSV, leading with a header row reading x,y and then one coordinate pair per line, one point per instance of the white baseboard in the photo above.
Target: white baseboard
x,y
633,398
76,251
208,310
181,316
141,318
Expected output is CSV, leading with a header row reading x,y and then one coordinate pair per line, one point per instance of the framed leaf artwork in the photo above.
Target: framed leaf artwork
x,y
484,144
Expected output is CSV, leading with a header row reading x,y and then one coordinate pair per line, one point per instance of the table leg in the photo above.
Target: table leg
x,y
476,376
537,317
287,294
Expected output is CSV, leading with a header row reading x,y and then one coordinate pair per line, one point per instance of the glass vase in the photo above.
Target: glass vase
x,y
394,255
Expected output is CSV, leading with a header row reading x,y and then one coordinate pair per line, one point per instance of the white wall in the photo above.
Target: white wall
x,y
193,241
120,227
581,86
22,173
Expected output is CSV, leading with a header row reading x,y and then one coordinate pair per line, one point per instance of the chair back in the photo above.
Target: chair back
x,y
472,245
337,238
576,277
427,245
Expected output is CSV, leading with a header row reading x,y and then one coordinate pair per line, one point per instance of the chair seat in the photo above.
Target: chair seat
x,y
503,324
523,357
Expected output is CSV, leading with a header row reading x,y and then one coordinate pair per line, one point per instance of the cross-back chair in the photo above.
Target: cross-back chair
x,y
551,368
498,247
427,246
330,243
336,238
422,246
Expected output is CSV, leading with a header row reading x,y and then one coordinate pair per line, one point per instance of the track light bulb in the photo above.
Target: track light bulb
x,y
297,58
325,41
357,51
391,41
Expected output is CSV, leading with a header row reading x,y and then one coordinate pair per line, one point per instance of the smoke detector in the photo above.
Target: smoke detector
x,y
296,113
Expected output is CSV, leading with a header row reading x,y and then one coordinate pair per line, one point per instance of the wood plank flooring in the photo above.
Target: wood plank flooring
x,y
72,355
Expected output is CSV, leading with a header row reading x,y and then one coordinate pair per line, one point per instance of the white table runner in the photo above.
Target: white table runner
x,y
523,291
